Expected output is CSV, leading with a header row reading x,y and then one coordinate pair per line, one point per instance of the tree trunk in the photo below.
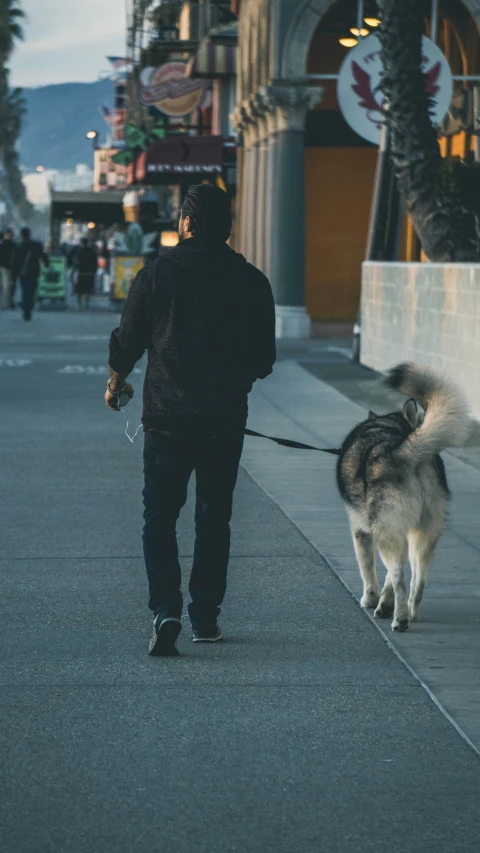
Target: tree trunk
x,y
447,231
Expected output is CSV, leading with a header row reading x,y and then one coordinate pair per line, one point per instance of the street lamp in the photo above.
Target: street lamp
x,y
93,135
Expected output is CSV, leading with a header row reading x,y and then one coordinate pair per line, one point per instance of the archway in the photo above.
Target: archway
x,y
340,166
309,14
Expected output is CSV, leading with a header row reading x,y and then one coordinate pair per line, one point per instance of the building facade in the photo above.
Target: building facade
x,y
182,91
107,174
305,179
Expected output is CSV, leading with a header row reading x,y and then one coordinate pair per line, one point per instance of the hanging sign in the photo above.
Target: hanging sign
x,y
169,91
360,100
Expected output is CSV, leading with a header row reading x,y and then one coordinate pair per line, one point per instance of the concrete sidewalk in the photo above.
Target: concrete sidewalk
x,y
302,732
443,648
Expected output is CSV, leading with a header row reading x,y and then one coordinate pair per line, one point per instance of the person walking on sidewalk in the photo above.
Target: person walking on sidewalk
x,y
7,251
85,265
207,319
26,267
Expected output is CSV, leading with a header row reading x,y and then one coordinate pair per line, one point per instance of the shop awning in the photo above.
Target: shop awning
x,y
103,208
213,60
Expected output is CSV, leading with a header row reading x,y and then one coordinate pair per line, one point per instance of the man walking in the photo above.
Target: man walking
x,y
85,264
207,319
26,267
7,251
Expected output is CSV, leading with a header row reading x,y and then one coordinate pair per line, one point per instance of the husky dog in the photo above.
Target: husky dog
x,y
395,490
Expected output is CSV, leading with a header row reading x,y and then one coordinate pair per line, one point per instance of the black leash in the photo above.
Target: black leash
x,y
297,445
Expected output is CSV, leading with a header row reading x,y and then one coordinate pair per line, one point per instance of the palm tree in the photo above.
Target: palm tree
x,y
12,104
10,27
434,192
12,112
13,109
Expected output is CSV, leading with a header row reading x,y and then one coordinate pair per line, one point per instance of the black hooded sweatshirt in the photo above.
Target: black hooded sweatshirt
x,y
207,319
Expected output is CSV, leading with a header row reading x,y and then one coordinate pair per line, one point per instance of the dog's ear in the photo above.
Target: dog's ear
x,y
372,416
410,413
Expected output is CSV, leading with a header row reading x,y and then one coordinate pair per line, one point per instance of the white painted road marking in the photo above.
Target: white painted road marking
x,y
15,362
82,337
90,370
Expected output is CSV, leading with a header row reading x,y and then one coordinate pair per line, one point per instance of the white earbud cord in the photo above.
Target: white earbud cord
x,y
130,438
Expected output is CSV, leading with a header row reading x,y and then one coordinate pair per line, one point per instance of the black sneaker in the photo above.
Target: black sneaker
x,y
207,635
165,636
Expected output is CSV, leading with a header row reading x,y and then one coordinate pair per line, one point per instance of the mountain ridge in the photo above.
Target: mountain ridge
x,y
58,117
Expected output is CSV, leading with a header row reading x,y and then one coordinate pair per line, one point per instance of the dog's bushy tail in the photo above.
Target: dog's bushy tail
x,y
446,422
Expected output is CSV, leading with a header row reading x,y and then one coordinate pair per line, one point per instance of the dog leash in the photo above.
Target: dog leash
x,y
297,445
283,442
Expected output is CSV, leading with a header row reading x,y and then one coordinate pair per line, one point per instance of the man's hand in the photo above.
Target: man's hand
x,y
112,399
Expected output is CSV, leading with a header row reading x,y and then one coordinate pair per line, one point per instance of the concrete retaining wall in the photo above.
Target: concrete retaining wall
x,y
424,312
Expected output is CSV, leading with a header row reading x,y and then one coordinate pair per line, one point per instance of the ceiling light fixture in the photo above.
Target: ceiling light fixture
x,y
372,22
348,42
356,32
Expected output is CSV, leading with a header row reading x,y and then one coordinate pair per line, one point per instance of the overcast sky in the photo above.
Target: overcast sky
x,y
67,40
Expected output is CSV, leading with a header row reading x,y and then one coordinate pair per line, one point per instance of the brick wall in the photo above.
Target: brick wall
x,y
424,312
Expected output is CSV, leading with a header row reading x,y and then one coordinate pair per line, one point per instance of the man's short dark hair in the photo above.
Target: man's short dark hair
x,y
84,242
209,210
26,233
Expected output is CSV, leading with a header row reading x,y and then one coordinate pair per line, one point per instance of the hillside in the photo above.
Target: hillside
x,y
57,120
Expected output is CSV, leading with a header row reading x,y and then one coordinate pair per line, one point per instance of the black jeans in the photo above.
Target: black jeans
x,y
169,460
29,285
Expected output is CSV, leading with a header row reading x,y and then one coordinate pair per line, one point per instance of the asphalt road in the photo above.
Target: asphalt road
x,y
301,732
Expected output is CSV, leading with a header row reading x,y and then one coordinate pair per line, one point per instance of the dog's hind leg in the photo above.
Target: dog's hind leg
x,y
394,552
365,551
421,545
386,605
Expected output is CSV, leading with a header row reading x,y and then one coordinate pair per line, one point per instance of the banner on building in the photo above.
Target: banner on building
x,y
171,92
361,100
120,62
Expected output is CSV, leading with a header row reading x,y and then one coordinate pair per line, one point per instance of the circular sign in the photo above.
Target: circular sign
x,y
361,103
169,91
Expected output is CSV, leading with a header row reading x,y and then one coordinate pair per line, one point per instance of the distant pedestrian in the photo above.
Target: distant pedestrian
x,y
85,264
26,267
207,319
7,251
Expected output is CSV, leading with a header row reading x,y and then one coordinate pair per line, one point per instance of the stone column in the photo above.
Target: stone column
x,y
271,173
262,192
250,208
288,104
241,122
238,246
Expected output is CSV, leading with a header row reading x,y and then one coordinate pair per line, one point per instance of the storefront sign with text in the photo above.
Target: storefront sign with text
x,y
169,91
